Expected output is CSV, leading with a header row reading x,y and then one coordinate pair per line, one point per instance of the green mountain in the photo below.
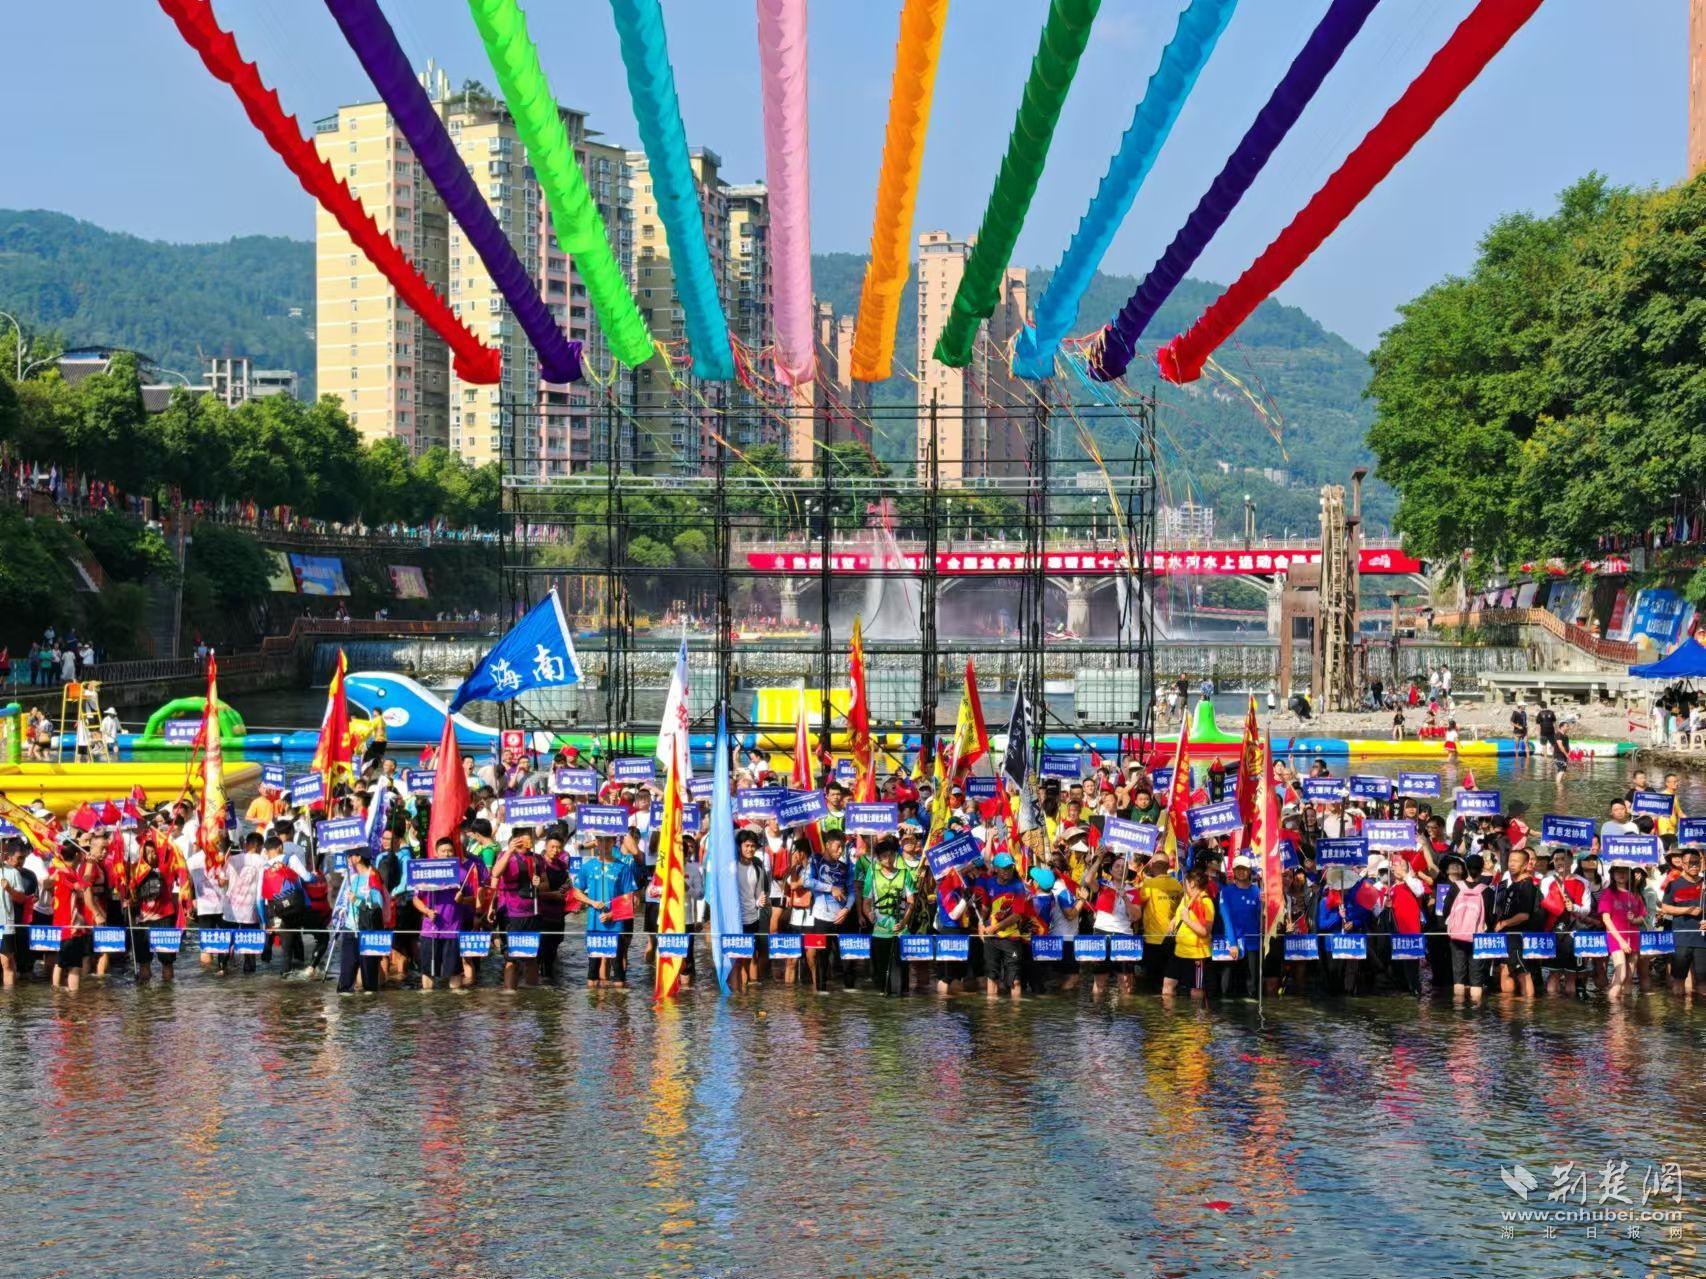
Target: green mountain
x,y
1290,396
174,302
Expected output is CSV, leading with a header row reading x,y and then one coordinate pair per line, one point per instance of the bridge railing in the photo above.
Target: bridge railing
x,y
1619,652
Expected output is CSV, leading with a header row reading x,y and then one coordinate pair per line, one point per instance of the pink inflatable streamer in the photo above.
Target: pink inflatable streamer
x,y
782,64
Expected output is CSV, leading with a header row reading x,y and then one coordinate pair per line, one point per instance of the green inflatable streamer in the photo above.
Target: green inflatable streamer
x,y
580,229
1065,34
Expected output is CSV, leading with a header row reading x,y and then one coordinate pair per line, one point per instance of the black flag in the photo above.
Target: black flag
x,y
1016,763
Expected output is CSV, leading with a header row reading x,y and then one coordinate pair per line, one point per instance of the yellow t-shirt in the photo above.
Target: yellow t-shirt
x,y
1667,825
1161,894
261,809
1187,945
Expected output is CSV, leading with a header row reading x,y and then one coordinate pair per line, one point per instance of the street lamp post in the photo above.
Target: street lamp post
x,y
21,342
1249,521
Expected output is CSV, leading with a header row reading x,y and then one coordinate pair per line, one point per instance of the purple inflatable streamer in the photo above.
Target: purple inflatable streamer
x,y
375,44
1331,37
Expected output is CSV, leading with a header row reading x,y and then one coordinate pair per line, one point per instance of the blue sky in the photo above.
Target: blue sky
x,y
112,119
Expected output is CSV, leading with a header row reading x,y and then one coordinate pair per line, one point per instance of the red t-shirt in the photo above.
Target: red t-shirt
x,y
1406,910
69,907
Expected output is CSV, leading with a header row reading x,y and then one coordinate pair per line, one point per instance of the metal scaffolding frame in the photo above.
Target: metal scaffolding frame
x,y
597,534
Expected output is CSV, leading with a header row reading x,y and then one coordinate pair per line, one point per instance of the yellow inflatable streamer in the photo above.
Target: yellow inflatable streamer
x,y
921,26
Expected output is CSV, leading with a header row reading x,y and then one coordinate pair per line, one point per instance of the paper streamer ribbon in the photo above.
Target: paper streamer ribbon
x,y
921,25
375,44
787,171
473,360
1064,35
581,232
1453,69
1194,38
657,112
1326,44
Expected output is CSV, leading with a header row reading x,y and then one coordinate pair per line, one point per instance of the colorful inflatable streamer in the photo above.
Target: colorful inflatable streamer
x,y
921,25
580,230
1065,33
1326,44
787,170
1194,38
657,112
474,362
375,44
1474,44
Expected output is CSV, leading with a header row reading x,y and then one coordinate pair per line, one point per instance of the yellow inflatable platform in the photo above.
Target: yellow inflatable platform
x,y
62,787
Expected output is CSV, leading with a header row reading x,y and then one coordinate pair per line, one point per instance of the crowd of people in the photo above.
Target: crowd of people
x,y
51,660
1055,896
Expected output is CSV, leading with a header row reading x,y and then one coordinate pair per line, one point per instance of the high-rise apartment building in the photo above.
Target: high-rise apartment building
x,y
978,410
393,375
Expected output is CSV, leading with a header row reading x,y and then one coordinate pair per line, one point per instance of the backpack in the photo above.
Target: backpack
x,y
288,906
1466,914
319,897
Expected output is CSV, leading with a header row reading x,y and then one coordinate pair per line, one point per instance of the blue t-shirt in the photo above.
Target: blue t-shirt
x,y
1239,915
604,881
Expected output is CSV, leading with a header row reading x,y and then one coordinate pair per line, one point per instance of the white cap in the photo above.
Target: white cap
x,y
1243,861
1377,863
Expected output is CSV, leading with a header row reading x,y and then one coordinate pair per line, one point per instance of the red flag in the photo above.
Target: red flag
x,y
449,790
110,815
859,722
1249,765
1267,844
332,751
1179,794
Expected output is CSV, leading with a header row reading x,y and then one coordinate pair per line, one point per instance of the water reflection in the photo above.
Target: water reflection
x,y
282,1129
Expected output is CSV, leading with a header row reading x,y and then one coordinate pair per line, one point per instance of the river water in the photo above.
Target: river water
x,y
246,1126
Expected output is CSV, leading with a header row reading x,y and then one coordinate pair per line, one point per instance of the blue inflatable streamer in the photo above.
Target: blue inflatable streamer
x,y
657,111
1326,44
1193,40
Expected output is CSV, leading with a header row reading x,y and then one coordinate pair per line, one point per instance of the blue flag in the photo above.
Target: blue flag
x,y
722,893
537,653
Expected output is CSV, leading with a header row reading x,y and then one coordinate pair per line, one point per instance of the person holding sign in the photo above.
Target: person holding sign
x,y
606,887
441,924
1622,911
885,894
515,908
1515,907
834,895
1193,932
363,911
1682,905
1008,920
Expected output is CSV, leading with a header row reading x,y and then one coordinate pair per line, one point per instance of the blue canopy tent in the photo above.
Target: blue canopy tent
x,y
1686,661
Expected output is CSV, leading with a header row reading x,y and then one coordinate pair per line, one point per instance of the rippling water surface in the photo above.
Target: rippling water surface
x,y
246,1126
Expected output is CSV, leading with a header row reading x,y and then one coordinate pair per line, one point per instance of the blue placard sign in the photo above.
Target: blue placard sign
x,y
845,771
1300,947
1490,946
166,941
691,818
45,937
800,807
423,874
1691,832
758,801
272,775
1636,850
738,945
786,946
1060,764
1593,945
308,789
633,768
1342,852
1539,946
1091,947
1125,950
981,787
1653,803
953,948
521,946
855,945
1047,948
601,945
700,787
1658,943
872,819
1322,790
1161,778
1347,946
1220,950
1569,832
1129,836
215,941
1371,786
675,945
474,945
951,854
109,941
602,819
421,781
1214,819
1408,946
180,732
248,941
1419,785
916,948
1394,836
529,810
376,942
574,781
340,834
1477,803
